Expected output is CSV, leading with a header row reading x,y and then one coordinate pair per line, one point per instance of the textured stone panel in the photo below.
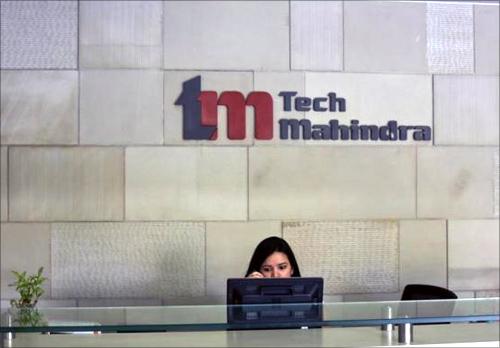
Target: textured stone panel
x,y
351,256
384,37
39,34
331,182
455,182
486,38
3,184
25,247
496,183
473,249
422,252
210,81
450,38
466,110
118,302
186,183
39,107
370,297
316,35
121,107
487,293
128,260
230,246
69,183
373,99
274,83
233,35
121,34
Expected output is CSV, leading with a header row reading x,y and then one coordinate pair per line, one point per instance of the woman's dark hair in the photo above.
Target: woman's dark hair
x,y
266,248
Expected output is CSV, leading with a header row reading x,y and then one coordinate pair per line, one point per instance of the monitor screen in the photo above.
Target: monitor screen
x,y
283,301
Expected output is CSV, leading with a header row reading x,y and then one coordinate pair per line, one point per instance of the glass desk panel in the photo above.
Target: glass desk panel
x,y
222,317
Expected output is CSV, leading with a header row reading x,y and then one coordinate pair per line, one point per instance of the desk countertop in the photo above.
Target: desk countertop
x,y
466,335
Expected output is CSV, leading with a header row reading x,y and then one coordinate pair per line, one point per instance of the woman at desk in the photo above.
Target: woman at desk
x,y
273,258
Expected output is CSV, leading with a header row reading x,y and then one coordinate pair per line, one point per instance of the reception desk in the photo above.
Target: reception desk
x,y
459,322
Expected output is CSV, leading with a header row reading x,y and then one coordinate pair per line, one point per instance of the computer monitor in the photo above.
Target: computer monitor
x,y
274,302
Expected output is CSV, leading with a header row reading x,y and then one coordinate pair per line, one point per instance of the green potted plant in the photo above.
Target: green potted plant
x,y
30,289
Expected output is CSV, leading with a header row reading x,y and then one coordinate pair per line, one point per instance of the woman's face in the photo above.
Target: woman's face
x,y
276,265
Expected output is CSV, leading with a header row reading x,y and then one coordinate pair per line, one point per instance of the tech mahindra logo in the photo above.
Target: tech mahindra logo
x,y
199,113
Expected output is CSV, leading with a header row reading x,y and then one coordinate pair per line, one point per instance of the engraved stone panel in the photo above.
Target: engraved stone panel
x,y
69,183
372,99
351,256
450,38
384,37
486,38
186,183
473,249
233,35
466,110
121,34
275,83
229,248
422,252
25,247
331,182
3,184
210,81
455,182
128,260
121,107
39,107
316,35
39,34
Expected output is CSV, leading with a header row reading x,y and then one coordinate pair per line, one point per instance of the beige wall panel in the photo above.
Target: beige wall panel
x,y
422,253
274,83
384,296
121,34
316,35
487,293
32,241
186,183
39,107
232,35
384,37
450,37
496,183
3,184
351,256
118,302
230,246
210,81
39,34
373,99
473,249
466,110
128,260
455,182
42,303
331,182
486,38
121,107
69,183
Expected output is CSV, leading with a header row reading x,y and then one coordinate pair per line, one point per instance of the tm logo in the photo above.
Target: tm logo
x,y
199,112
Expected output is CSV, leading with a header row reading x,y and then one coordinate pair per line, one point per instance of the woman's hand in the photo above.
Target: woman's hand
x,y
255,275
